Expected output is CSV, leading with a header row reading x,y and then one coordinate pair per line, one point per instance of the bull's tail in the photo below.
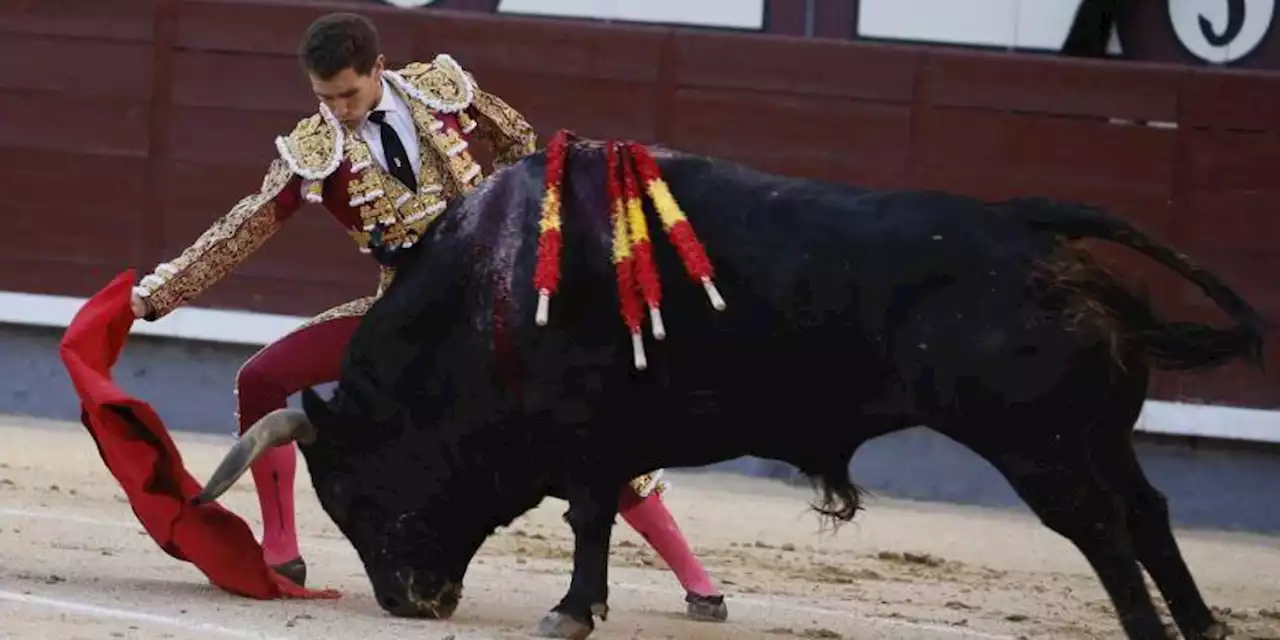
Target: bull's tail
x,y
1172,345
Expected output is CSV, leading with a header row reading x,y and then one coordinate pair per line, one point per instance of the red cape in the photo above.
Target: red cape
x,y
134,444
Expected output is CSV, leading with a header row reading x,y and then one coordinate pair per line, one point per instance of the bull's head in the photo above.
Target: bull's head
x,y
414,535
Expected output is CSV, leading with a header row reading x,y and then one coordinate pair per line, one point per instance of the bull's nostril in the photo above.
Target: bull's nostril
x,y
390,603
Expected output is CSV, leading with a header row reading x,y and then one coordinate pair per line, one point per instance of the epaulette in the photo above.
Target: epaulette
x,y
313,149
441,84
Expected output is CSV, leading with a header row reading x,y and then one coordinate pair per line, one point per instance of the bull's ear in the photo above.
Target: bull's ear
x,y
317,410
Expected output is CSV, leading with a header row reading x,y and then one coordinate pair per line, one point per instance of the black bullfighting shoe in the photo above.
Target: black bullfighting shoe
x,y
706,608
294,571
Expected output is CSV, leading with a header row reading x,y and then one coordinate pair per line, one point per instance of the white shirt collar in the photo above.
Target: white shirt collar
x,y
388,101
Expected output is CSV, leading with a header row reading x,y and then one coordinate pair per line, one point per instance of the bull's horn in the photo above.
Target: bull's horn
x,y
275,428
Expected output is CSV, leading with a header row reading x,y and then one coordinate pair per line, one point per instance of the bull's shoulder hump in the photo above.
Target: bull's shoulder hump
x,y
441,84
313,149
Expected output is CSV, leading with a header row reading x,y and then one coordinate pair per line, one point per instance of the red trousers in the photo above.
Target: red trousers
x,y
306,357
309,356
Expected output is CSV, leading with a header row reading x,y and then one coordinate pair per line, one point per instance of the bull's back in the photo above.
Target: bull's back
x,y
814,252
843,289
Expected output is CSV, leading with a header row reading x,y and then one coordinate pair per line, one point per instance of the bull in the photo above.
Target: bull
x,y
837,314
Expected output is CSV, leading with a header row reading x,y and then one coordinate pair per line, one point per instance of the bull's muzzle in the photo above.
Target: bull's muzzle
x,y
276,428
408,603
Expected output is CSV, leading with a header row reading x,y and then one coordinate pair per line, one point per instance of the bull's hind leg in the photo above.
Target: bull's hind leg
x,y
1148,520
1057,481
592,510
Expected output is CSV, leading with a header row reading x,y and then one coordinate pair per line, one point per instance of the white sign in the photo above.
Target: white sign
x,y
1221,31
1025,24
734,14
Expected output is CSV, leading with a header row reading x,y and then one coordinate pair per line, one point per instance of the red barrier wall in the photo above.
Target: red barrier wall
x,y
125,131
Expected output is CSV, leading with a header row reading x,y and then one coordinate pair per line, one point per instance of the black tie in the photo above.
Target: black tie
x,y
394,153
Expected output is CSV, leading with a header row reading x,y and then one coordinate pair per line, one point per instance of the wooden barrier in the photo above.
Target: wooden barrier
x,y
125,131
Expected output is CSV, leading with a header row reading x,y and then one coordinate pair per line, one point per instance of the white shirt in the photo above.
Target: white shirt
x,y
401,120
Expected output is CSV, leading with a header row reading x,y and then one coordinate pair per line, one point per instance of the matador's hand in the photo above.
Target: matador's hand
x,y
139,306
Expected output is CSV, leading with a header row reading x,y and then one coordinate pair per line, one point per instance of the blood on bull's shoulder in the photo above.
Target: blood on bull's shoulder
x,y
599,310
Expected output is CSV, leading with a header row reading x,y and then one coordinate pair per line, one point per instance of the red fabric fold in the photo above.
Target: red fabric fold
x,y
135,445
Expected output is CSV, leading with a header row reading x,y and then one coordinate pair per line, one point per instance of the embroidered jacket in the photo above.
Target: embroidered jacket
x,y
321,161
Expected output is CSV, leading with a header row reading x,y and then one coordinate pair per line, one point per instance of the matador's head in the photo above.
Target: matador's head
x,y
343,58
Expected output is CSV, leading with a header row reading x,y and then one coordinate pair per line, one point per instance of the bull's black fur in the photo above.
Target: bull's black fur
x,y
851,313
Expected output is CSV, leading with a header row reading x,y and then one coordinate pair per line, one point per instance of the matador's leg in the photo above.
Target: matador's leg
x,y
649,516
308,356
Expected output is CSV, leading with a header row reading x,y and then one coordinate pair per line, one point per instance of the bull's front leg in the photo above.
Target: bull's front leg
x,y
591,515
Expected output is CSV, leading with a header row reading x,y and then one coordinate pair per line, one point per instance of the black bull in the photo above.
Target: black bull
x,y
850,313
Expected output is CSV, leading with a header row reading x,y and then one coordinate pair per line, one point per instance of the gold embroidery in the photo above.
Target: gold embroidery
x,y
386,204
450,150
385,276
649,483
463,166
386,207
313,149
231,239
357,307
367,190
502,128
364,185
440,84
364,188
418,212
465,121
431,173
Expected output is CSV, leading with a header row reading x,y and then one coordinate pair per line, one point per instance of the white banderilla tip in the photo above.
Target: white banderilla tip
x,y
655,318
544,306
716,301
637,347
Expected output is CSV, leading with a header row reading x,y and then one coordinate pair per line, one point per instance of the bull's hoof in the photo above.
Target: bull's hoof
x,y
706,608
563,625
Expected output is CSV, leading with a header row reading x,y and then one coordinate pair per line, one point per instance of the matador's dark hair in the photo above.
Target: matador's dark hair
x,y
336,41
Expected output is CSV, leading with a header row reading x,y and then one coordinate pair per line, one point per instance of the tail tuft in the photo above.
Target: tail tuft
x,y
841,499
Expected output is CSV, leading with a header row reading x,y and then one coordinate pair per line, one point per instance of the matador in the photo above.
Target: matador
x,y
384,154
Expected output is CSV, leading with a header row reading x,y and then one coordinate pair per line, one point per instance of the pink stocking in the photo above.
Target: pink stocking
x,y
651,519
273,476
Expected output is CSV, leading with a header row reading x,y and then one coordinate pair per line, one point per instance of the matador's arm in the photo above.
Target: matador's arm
x,y
227,242
503,129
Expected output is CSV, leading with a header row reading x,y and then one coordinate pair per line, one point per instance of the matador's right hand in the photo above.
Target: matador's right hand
x,y
139,306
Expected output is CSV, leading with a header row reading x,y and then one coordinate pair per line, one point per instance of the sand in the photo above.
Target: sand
x,y
74,563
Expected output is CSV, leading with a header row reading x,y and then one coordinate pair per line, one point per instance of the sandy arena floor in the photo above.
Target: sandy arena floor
x,y
75,564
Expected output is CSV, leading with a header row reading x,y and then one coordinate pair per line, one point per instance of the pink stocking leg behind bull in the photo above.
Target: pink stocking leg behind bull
x,y
651,519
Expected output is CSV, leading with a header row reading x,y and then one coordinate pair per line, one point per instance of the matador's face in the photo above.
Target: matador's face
x,y
350,95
